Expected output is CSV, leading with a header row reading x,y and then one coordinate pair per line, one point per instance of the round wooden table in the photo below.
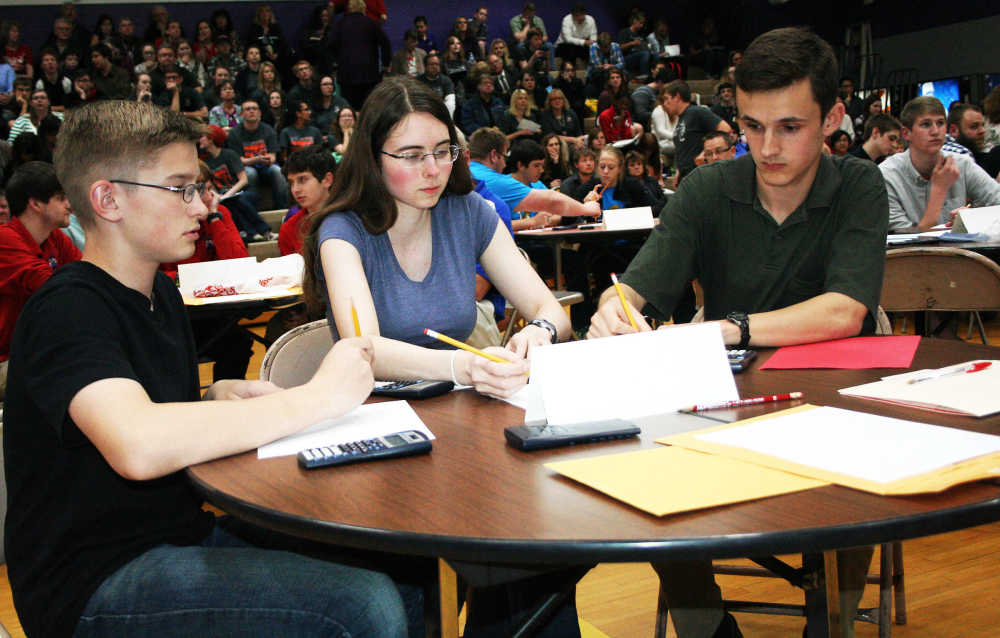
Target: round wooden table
x,y
475,499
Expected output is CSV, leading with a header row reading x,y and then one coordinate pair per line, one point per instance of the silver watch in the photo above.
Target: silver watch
x,y
543,323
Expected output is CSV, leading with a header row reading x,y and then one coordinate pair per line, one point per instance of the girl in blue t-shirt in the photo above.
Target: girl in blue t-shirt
x,y
399,242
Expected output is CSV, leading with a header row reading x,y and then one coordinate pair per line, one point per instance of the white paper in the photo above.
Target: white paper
x,y
244,274
976,220
971,393
628,218
529,399
866,446
633,375
364,422
902,238
221,272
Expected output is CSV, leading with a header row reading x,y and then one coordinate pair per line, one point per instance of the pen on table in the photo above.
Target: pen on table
x,y
621,297
947,372
463,346
354,316
740,403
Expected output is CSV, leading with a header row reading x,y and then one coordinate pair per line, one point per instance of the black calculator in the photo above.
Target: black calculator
x,y
405,443
419,389
739,360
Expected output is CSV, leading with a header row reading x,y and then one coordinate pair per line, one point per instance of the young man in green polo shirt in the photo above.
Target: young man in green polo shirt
x,y
788,244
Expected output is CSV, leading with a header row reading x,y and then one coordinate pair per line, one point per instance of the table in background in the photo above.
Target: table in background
x,y
562,238
478,500
232,309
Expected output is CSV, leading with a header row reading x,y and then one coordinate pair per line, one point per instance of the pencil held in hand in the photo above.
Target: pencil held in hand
x,y
621,298
463,346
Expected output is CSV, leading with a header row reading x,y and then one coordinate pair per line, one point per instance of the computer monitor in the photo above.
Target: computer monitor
x,y
945,90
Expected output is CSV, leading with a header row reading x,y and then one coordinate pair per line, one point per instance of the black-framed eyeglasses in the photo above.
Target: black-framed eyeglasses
x,y
442,158
187,192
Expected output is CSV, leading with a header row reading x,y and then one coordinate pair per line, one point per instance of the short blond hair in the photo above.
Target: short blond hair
x,y
113,139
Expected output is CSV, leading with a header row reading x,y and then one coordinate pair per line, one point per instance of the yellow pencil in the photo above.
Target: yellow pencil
x,y
621,297
463,346
357,324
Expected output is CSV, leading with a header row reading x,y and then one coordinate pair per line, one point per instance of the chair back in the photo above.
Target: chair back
x,y
3,504
933,278
295,356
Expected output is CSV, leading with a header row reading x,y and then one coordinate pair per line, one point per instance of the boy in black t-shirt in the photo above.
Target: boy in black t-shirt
x,y
105,536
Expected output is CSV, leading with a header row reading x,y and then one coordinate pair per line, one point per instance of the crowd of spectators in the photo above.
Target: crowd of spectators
x,y
566,94
213,71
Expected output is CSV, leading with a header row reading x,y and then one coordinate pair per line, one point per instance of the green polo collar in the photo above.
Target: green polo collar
x,y
740,182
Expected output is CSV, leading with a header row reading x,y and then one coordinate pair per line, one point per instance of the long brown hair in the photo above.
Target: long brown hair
x,y
360,186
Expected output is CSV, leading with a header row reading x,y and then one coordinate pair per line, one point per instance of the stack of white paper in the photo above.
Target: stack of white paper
x,y
970,394
855,444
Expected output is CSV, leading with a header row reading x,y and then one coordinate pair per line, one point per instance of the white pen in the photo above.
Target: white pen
x,y
946,372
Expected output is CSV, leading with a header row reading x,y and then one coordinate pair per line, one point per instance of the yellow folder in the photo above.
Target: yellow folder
x,y
669,480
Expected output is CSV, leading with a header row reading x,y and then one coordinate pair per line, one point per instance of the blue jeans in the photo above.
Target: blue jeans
x,y
240,582
272,175
638,61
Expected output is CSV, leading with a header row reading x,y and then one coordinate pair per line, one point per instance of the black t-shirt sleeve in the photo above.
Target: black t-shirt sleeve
x,y
233,163
65,354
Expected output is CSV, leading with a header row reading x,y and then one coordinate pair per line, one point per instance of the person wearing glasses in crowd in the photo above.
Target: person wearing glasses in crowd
x,y
111,330
715,148
393,242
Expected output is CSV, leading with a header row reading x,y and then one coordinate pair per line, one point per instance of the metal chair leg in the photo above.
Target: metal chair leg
x,y
898,583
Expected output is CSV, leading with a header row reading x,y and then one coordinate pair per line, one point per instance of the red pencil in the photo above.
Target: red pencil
x,y
739,403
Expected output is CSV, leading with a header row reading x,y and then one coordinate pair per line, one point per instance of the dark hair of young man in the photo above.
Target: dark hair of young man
x,y
31,180
417,20
665,75
679,87
957,112
782,57
315,159
524,152
883,122
102,49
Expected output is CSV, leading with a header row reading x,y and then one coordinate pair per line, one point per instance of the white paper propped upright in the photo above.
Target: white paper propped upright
x,y
628,218
633,375
364,422
866,446
977,220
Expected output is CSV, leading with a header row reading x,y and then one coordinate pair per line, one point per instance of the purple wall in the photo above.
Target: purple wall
x,y
738,20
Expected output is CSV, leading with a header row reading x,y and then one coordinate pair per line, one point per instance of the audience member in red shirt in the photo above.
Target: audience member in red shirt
x,y
309,172
310,175
31,245
616,122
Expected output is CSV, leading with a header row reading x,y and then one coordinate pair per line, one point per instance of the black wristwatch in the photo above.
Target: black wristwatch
x,y
743,322
543,323
213,216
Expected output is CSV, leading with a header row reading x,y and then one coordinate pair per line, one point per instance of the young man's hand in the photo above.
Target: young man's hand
x,y
610,319
945,172
346,373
